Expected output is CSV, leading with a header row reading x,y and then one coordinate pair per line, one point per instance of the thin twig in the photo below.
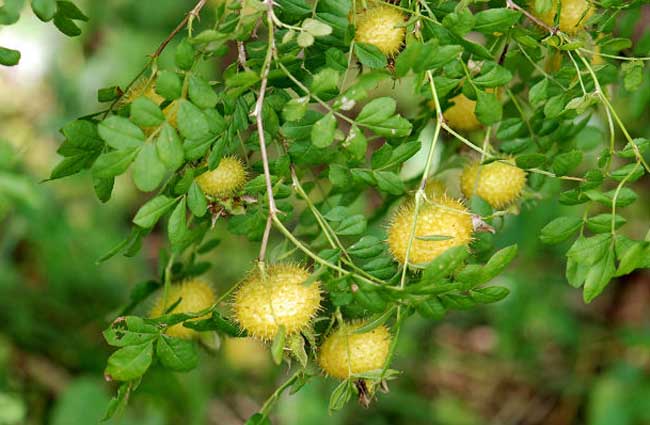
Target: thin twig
x,y
512,5
190,15
257,112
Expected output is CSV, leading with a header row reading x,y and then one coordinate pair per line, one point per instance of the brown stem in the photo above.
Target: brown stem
x,y
512,5
191,14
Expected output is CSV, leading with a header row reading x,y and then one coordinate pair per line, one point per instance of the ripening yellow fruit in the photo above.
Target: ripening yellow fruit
x,y
225,180
247,354
345,353
194,294
461,116
280,298
573,15
171,113
500,183
434,189
381,26
144,86
446,217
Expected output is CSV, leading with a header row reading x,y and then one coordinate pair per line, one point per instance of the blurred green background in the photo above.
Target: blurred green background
x,y
539,357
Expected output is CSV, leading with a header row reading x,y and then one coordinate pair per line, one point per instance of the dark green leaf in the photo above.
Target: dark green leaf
x,y
370,55
177,354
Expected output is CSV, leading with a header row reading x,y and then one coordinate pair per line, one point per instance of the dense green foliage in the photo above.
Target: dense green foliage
x,y
331,149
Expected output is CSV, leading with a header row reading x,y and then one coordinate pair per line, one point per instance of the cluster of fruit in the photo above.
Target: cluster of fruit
x,y
281,298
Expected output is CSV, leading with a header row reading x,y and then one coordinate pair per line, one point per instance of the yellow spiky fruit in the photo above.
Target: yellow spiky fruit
x,y
445,217
194,294
573,15
345,353
461,115
381,26
280,298
225,180
499,183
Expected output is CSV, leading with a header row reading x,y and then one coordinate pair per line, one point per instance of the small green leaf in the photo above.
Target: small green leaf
x,y
444,264
560,229
366,247
431,309
177,225
295,109
488,108
169,85
305,39
66,25
170,148
192,122
566,162
370,55
316,28
599,275
389,182
70,10
322,133
148,169
120,133
603,223
196,200
148,215
490,294
498,262
113,163
145,112
44,9
177,354
129,362
341,395
184,55
497,20
201,93
354,225
277,347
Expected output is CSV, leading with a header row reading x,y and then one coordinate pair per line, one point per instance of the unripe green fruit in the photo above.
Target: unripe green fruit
x,y
194,294
381,26
442,216
499,183
345,353
225,180
280,298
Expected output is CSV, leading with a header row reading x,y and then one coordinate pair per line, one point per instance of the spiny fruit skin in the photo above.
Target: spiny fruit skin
x,y
445,217
379,26
195,295
499,183
262,305
461,116
573,15
345,353
225,180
